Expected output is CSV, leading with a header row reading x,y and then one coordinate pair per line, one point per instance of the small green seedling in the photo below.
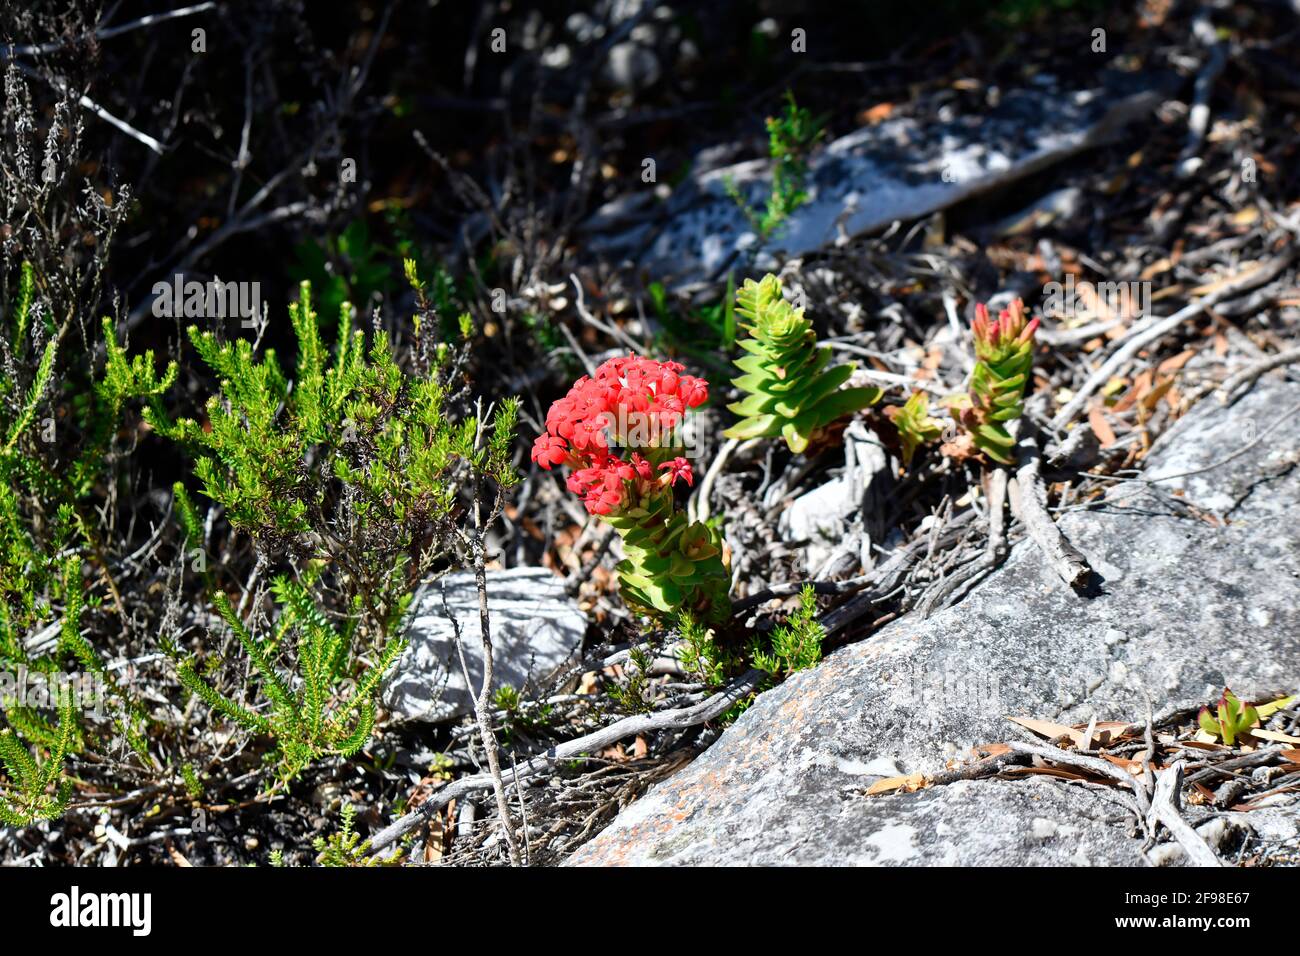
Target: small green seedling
x,y
1233,719
914,424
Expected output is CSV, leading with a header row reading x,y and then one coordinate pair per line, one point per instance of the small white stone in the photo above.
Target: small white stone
x,y
1042,828
1166,854
895,843
879,767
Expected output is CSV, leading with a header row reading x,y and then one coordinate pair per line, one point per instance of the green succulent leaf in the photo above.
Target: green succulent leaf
x,y
789,391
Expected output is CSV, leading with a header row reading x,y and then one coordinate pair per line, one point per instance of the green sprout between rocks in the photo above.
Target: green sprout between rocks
x,y
915,426
1232,719
794,646
790,138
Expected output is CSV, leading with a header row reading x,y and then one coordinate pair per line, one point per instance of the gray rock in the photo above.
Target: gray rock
x,y
899,169
631,66
536,629
1187,604
828,521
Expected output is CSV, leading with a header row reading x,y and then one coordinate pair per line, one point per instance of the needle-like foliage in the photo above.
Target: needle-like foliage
x,y
36,789
352,470
326,714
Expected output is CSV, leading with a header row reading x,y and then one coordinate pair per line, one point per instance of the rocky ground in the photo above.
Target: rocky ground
x,y
1138,557
1197,587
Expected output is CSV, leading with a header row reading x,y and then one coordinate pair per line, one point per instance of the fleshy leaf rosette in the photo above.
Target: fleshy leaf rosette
x,y
620,433
1232,719
1004,353
914,424
790,392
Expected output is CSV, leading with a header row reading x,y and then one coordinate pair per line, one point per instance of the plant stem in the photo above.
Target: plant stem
x,y
481,711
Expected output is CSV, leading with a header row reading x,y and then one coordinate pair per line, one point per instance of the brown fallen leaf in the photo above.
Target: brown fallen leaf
x,y
1132,766
910,783
1104,732
1100,427
1062,773
1150,399
1260,802
1275,735
1171,365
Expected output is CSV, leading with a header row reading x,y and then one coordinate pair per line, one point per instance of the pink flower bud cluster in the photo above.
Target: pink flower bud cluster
x,y
1008,330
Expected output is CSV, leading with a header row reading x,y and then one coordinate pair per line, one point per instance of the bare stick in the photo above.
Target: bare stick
x,y
692,716
997,518
1198,119
1164,808
104,33
1094,764
1144,333
1029,504
481,702
1246,376
699,502
87,103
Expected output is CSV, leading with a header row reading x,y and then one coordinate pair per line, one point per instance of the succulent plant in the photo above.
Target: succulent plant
x,y
619,432
1232,719
914,424
1004,352
790,392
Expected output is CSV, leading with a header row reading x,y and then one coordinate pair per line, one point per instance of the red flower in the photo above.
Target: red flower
x,y
694,391
630,401
549,450
643,469
678,468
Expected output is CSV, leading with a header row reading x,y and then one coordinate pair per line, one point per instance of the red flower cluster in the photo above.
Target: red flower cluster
x,y
633,402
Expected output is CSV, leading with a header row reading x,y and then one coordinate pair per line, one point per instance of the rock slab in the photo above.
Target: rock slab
x,y
898,169
535,626
1200,589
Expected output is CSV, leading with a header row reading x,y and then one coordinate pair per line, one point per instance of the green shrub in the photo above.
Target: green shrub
x,y
797,644
352,473
790,138
51,466
325,715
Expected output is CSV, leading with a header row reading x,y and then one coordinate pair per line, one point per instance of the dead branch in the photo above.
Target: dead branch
x,y
1164,809
1029,504
1152,329
678,719
1229,389
1092,764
